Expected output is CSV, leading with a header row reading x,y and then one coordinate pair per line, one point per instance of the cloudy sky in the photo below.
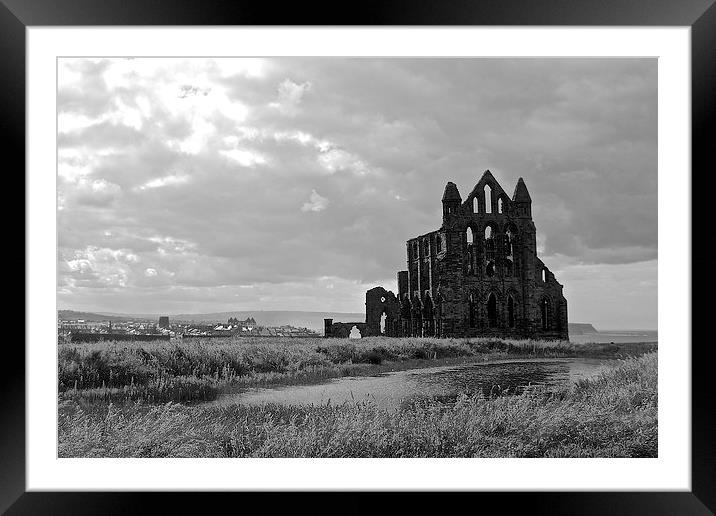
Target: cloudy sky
x,y
201,185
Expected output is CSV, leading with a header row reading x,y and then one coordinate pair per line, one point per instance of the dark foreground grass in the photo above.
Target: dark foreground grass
x,y
196,370
612,415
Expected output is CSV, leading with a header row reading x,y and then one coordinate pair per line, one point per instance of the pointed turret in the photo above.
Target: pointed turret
x,y
522,200
451,193
451,199
521,194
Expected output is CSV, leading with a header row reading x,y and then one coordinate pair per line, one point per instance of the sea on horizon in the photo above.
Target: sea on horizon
x,y
616,336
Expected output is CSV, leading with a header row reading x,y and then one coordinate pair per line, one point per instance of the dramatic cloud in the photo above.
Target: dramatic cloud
x,y
293,183
315,203
289,96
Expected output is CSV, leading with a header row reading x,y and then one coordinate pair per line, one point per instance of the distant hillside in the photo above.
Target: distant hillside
x,y
311,320
581,328
72,315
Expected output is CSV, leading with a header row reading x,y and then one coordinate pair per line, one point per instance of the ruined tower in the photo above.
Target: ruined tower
x,y
477,275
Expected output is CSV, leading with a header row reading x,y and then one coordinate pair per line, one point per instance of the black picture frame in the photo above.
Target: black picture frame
x,y
700,15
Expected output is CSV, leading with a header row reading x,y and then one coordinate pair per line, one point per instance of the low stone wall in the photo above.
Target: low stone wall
x,y
341,330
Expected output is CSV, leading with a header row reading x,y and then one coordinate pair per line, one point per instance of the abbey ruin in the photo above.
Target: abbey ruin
x,y
477,275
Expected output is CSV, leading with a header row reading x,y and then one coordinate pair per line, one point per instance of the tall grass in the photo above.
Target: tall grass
x,y
196,369
612,415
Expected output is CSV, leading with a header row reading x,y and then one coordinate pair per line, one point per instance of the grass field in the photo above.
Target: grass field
x,y
612,415
196,370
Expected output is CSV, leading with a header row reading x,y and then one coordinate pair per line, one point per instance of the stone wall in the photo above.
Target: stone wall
x,y
341,330
479,274
382,312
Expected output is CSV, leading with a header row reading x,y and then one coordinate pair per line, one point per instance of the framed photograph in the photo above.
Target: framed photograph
x,y
409,249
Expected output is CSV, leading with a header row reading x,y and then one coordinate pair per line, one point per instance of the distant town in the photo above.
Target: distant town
x,y
113,328
74,326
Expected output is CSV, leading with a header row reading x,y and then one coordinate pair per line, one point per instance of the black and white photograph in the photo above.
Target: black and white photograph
x,y
351,257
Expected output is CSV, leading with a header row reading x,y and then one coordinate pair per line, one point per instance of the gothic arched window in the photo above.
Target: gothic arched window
x,y
508,242
544,309
492,310
510,312
489,244
471,308
490,269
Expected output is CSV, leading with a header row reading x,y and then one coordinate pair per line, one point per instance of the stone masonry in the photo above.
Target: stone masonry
x,y
478,275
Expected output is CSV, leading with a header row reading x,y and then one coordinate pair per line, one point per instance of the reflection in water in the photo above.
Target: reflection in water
x,y
445,383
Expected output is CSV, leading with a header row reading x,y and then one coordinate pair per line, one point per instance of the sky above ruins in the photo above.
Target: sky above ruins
x,y
204,185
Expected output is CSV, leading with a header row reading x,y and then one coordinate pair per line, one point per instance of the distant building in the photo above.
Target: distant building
x,y
164,321
233,321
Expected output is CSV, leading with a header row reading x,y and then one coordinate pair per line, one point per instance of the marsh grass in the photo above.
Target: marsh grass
x,y
196,369
612,415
